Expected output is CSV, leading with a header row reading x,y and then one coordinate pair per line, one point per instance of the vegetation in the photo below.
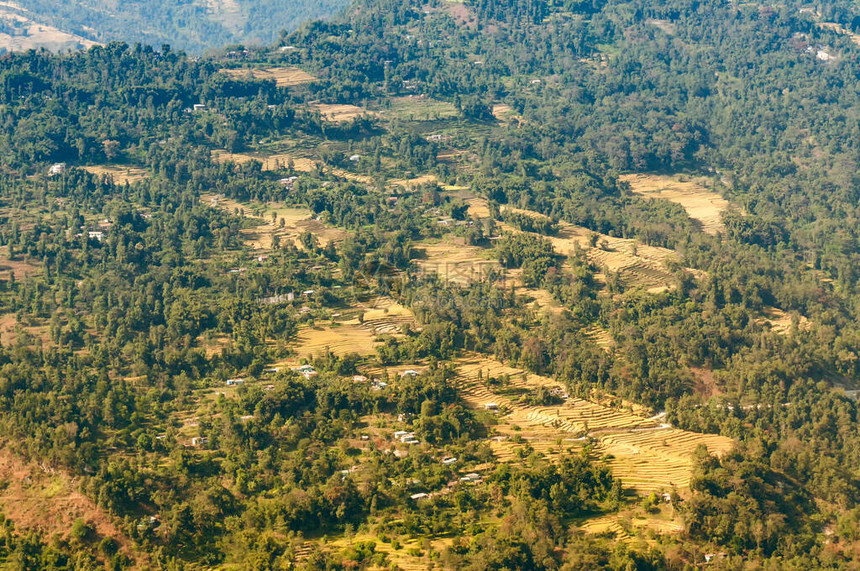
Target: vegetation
x,y
193,26
252,333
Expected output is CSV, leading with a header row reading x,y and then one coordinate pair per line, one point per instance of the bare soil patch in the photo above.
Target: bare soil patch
x,y
37,496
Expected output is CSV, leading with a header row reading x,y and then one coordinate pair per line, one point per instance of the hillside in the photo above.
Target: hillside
x,y
193,26
521,284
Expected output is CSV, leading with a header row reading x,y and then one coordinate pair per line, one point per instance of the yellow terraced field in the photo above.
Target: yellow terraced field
x,y
456,262
119,173
399,557
283,76
346,337
840,30
379,317
639,265
645,453
340,112
278,161
296,221
700,203
781,322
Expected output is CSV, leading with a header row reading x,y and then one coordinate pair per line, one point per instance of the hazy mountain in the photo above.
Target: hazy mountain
x,y
192,25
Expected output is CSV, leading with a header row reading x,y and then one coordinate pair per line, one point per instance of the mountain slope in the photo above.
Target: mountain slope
x,y
194,25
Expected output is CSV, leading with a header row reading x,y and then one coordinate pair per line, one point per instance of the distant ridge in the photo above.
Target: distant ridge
x,y
194,26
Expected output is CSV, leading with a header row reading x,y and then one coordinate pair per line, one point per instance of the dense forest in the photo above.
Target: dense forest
x,y
250,333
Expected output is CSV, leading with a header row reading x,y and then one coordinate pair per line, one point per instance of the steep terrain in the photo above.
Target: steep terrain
x,y
193,26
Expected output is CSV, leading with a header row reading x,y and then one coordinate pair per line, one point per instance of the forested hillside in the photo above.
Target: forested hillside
x,y
194,25
519,284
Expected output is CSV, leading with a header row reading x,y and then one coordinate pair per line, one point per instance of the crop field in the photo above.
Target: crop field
x,y
639,265
456,262
606,525
541,298
340,112
840,30
406,558
601,337
353,334
296,222
781,322
417,108
120,174
20,268
283,76
412,183
278,161
645,453
700,203
345,337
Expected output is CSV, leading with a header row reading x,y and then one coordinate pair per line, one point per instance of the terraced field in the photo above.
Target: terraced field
x,y
781,322
338,112
354,335
278,161
456,262
296,221
120,174
637,264
700,203
283,76
647,454
606,525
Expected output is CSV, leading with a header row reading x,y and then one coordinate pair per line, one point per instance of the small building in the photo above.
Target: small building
x,y
491,407
96,235
400,434
419,496
199,107
57,168
235,382
449,460
409,373
359,379
199,441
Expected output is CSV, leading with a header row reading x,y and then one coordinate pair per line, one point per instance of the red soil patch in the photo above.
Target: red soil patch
x,y
35,496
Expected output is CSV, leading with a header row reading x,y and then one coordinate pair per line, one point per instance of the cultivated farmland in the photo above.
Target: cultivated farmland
x,y
282,76
645,453
700,203
120,174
